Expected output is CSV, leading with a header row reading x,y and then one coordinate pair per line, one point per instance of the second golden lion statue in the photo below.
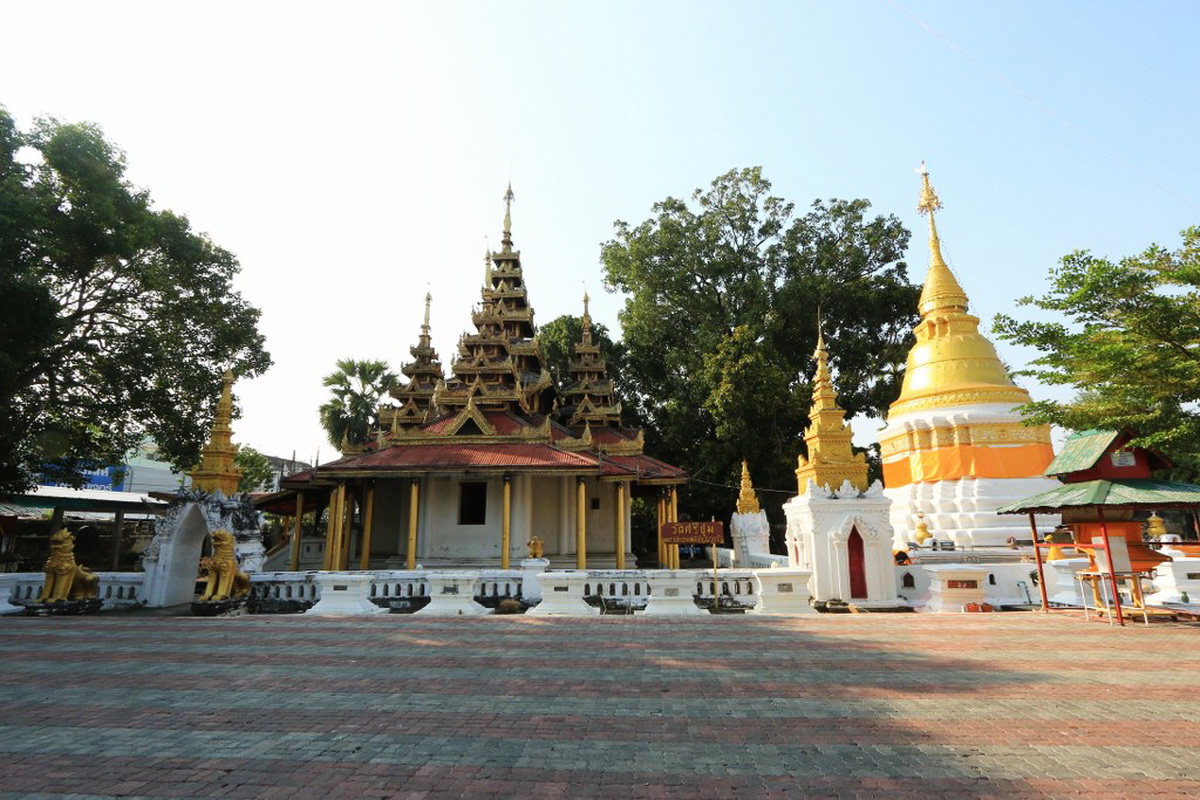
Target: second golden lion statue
x,y
225,580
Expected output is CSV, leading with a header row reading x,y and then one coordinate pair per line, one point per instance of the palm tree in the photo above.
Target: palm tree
x,y
350,415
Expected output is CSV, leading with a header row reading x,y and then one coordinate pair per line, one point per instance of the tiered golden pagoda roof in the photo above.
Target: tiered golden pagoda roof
x,y
831,460
500,365
588,400
952,363
747,502
424,373
216,469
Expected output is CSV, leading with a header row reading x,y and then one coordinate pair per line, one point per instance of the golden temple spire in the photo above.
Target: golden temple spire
x,y
508,198
487,268
425,324
942,290
747,500
831,460
587,320
216,469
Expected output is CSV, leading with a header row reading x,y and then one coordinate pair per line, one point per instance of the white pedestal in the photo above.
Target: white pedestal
x,y
1061,586
952,586
671,593
452,594
562,595
782,591
531,587
344,594
1172,579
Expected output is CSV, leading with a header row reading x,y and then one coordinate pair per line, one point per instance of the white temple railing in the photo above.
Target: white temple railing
x,y
117,589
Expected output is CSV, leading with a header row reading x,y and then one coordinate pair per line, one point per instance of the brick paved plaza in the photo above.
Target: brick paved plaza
x,y
881,705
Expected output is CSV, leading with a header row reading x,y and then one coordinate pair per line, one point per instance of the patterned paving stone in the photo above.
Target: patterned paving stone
x,y
1003,705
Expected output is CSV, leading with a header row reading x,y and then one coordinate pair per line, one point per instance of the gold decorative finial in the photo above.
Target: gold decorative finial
x,y
831,459
216,469
487,268
747,500
941,291
508,198
425,324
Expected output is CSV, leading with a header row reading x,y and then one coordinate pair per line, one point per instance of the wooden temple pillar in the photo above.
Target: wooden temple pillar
x,y
580,524
619,526
294,560
368,513
506,523
413,498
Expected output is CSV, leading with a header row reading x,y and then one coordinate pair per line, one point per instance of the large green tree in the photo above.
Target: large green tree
x,y
1126,337
257,473
720,323
352,411
119,319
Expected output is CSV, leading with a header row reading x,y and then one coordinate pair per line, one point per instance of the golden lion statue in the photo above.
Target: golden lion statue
x,y
536,547
66,580
224,578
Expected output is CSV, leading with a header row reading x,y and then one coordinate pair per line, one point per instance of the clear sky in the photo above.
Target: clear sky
x,y
354,154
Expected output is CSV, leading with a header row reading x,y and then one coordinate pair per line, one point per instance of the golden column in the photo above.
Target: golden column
x,y
347,527
413,496
332,528
673,516
368,514
662,518
580,524
506,523
619,527
295,556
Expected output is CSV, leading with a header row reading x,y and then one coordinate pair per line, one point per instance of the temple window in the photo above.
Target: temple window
x,y
908,581
472,503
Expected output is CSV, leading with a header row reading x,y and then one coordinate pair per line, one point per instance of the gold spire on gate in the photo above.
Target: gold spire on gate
x,y
831,460
216,469
951,362
747,500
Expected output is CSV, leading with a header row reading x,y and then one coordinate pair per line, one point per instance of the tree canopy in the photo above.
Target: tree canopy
x,y
1127,339
257,473
720,323
119,319
352,412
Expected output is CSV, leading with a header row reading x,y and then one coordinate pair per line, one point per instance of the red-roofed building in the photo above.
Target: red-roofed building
x,y
467,470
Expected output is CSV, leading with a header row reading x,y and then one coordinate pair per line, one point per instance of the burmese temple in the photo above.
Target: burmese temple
x,y
489,489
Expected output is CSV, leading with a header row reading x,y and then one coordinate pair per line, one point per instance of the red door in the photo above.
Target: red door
x,y
858,566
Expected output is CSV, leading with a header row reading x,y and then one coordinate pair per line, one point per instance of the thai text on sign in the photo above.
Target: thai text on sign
x,y
692,533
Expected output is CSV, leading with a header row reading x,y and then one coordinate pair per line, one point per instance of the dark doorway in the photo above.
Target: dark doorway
x,y
858,566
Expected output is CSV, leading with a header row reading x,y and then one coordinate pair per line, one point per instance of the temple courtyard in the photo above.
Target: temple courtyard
x,y
853,705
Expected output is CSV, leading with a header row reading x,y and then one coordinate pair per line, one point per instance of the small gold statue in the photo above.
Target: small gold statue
x,y
1155,528
1056,551
225,580
536,547
66,580
923,535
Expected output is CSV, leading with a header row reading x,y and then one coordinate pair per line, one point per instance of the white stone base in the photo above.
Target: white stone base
x,y
562,595
452,594
531,587
1061,586
1171,581
344,594
672,593
946,597
782,591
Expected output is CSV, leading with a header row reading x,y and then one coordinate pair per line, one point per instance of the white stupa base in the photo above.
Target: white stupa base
x,y
953,586
1172,580
1061,586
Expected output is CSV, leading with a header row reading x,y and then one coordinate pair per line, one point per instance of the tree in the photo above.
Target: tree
x,y
720,324
1129,345
119,319
353,411
257,473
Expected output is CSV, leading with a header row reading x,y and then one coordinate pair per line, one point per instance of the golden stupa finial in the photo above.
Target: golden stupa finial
x,y
831,459
942,290
216,469
587,319
487,267
824,395
508,198
425,324
747,500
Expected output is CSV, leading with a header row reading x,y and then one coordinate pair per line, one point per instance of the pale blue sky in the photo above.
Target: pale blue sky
x,y
353,153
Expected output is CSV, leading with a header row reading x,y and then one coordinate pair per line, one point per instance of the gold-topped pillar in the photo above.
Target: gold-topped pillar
x,y
414,496
506,523
580,524
294,561
368,514
332,528
673,516
619,526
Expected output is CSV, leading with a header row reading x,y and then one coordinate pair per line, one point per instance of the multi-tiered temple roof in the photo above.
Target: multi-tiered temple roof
x,y
497,411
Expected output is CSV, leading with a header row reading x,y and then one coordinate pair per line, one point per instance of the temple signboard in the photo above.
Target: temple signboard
x,y
692,533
